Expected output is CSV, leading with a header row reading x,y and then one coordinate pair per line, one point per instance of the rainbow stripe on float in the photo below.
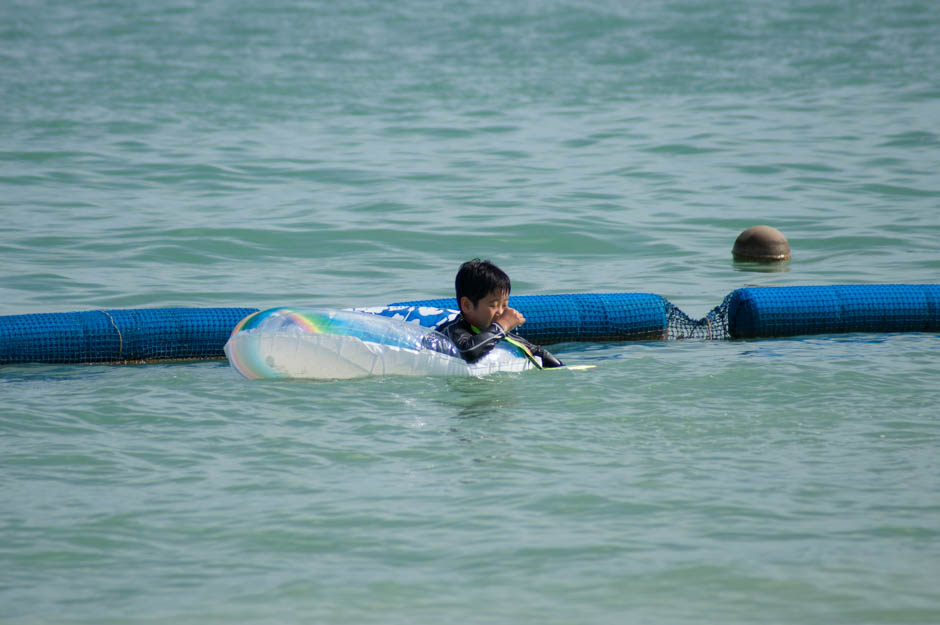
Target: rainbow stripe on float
x,y
310,324
249,362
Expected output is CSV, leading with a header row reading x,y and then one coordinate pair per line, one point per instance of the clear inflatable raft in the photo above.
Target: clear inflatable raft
x,y
281,343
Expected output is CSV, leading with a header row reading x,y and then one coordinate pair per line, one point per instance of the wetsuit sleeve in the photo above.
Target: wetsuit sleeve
x,y
474,346
548,359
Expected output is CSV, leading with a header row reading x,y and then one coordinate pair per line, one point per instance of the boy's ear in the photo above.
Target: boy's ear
x,y
466,306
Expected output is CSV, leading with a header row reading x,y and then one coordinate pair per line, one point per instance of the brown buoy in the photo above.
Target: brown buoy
x,y
762,244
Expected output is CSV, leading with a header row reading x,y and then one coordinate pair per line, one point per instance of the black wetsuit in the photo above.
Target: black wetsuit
x,y
474,345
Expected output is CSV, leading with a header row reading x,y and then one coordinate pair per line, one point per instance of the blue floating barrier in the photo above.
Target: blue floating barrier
x,y
141,335
132,335
790,311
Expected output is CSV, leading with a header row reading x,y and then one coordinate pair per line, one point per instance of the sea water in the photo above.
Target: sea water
x,y
336,154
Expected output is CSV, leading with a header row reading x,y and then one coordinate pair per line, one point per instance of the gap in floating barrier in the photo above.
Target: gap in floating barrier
x,y
712,327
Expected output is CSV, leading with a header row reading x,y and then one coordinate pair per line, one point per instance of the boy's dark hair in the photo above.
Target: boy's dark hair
x,y
477,278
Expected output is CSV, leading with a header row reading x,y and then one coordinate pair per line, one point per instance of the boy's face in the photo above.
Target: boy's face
x,y
486,311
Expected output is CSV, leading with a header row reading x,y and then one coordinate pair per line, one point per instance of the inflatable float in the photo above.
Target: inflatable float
x,y
340,344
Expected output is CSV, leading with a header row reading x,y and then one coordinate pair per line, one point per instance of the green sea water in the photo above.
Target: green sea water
x,y
351,154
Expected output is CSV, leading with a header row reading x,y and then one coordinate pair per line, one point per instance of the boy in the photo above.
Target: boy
x,y
485,316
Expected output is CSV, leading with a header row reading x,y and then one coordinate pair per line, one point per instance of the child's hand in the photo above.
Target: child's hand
x,y
510,319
